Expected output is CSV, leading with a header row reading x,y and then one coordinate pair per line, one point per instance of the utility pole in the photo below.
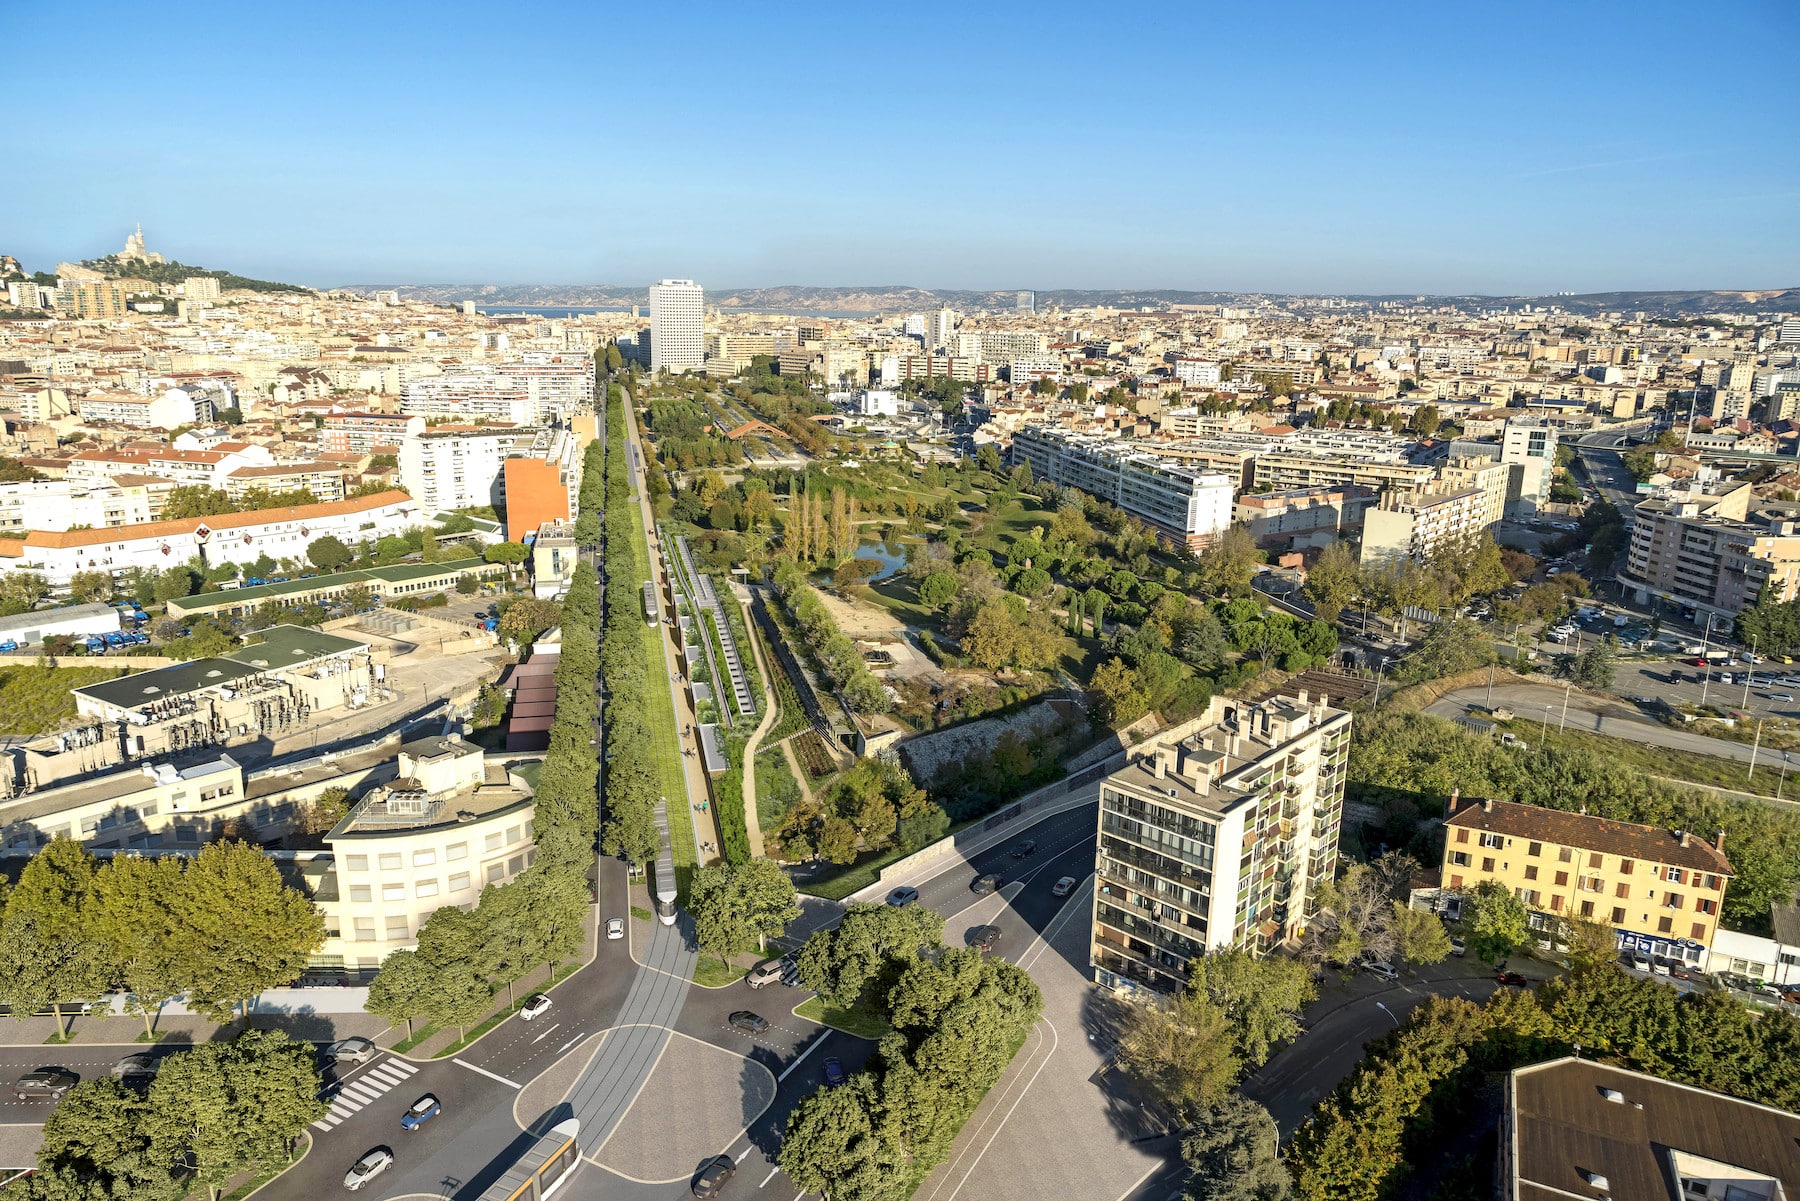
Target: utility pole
x,y
1490,690
1751,775
1567,685
1749,674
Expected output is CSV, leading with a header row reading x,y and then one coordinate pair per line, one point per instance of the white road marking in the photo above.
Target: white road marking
x,y
568,1044
546,1034
745,1153
798,1060
484,1072
769,1177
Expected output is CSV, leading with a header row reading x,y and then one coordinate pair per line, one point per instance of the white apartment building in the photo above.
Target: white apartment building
x,y
1001,346
1529,445
1022,372
538,388
457,467
64,504
943,328
1197,372
1413,524
915,325
1218,833
162,410
677,325
206,468
1186,506
200,287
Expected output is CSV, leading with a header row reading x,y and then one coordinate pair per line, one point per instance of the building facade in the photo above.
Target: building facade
x,y
456,466
1411,525
677,325
366,433
1217,834
1696,547
1187,507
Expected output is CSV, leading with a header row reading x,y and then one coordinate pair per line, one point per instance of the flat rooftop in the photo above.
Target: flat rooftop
x,y
123,783
399,573
163,683
373,816
38,618
283,646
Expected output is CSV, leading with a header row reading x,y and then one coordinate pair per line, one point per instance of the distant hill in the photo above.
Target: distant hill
x,y
173,273
905,299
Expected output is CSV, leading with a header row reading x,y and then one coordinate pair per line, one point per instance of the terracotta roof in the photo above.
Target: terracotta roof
x,y
223,521
281,469
1625,839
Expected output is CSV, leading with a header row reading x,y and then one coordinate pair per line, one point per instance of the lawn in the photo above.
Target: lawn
x,y
860,1019
711,972
1004,528
776,790
1655,760
35,700
663,735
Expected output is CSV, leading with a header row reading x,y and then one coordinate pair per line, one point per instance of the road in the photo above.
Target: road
x,y
1600,457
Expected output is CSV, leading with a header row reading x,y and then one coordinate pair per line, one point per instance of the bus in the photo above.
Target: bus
x,y
651,610
543,1167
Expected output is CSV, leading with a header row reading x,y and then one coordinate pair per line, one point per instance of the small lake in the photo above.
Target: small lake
x,y
893,561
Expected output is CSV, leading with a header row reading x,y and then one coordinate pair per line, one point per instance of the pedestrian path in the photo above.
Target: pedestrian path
x,y
364,1088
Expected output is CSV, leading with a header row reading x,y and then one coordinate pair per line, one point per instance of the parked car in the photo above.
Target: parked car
x,y
372,1164
985,884
748,1022
1063,887
534,1007
985,937
769,971
420,1112
1381,969
1513,979
1784,697
44,1084
903,896
714,1176
834,1072
615,927
1458,947
355,1050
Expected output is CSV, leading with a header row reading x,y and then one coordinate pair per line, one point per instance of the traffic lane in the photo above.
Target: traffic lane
x,y
951,890
757,1149
707,1017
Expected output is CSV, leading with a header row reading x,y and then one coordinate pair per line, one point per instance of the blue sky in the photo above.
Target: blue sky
x,y
1340,147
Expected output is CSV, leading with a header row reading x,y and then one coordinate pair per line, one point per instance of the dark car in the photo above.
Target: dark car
x,y
714,1176
984,937
1513,978
834,1072
136,1069
985,884
44,1084
1024,850
420,1112
749,1023
903,896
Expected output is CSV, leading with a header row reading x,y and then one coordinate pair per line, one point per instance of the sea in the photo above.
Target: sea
x,y
576,310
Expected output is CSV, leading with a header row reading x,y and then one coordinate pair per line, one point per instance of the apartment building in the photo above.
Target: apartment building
x,y
942,329
162,410
1198,373
1217,834
91,299
540,481
553,558
64,504
1659,890
1000,345
1336,458
896,368
739,350
677,325
360,433
205,468
1303,517
539,388
1485,476
1186,506
324,480
1411,525
457,466
446,826
1695,546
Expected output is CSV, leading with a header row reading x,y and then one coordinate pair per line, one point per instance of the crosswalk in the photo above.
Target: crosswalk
x,y
364,1088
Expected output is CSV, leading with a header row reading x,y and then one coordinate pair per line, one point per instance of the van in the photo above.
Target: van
x,y
769,971
1381,969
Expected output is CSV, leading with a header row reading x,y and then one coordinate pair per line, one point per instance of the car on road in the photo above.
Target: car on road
x,y
834,1072
1458,947
615,927
1063,887
769,971
1784,697
1381,969
1025,849
748,1022
44,1083
135,1068
355,1050
373,1163
985,937
714,1176
985,884
535,1007
1513,979
903,896
420,1112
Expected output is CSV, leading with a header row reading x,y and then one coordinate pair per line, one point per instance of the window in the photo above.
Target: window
x,y
1492,841
1459,859
493,841
1564,854
365,929
1594,860
426,888
393,892
1665,925
515,865
1622,891
1487,865
1556,902
390,862
360,892
459,882
424,858
356,863
456,850
1562,879
1675,876
1712,882
495,871
1529,896
1587,909
1625,866
397,929
1706,905
1531,871
512,834
1535,849
1699,931
1672,901
1618,916
1462,835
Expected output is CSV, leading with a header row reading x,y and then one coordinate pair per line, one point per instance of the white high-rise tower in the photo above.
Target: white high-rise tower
x,y
677,325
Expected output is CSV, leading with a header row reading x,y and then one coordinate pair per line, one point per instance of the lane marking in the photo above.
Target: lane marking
x,y
568,1044
484,1072
769,1177
801,1058
546,1034
745,1153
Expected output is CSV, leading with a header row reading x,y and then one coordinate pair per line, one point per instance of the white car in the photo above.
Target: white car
x,y
615,927
371,1165
535,1007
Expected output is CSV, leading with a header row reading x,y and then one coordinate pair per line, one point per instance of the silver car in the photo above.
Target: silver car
x,y
372,1164
355,1050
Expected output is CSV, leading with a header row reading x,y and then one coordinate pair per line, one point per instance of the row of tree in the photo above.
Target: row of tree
x,y
836,654
957,1017
870,807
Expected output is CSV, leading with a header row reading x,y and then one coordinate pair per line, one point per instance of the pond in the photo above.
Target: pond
x,y
891,555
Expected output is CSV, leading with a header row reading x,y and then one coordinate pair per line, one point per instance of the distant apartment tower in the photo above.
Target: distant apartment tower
x,y
359,433
943,327
915,325
1216,834
1026,301
200,287
1790,330
677,325
1697,546
1411,525
1187,506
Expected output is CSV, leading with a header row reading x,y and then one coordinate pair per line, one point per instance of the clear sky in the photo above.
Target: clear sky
x,y
1513,147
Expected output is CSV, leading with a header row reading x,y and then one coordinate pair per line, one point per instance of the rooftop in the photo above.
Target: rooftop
x,y
112,786
1627,840
399,573
162,683
285,645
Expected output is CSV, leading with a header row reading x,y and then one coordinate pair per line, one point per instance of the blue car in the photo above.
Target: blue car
x,y
834,1072
420,1112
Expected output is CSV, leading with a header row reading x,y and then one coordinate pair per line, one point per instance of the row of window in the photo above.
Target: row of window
x,y
1674,875
398,926
389,861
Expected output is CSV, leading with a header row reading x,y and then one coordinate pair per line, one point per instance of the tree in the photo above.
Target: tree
x,y
1595,667
938,589
1495,919
1261,998
510,553
391,549
195,500
401,990
239,929
831,1145
23,589
736,906
90,587
1419,936
1333,581
991,639
95,1145
1117,697
328,553
131,912
528,617
1234,1153
221,1107
1229,563
173,583
1179,1049
41,969
1448,648
867,948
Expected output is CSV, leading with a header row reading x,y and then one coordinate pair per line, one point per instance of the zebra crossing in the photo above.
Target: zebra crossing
x,y
364,1088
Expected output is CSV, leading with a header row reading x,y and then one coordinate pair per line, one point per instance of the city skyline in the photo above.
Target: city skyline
x,y
1318,152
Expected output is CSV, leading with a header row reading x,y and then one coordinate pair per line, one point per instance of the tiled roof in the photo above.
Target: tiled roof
x,y
1625,839
222,521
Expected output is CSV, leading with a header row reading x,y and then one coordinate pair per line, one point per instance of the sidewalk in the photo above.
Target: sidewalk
x,y
752,823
